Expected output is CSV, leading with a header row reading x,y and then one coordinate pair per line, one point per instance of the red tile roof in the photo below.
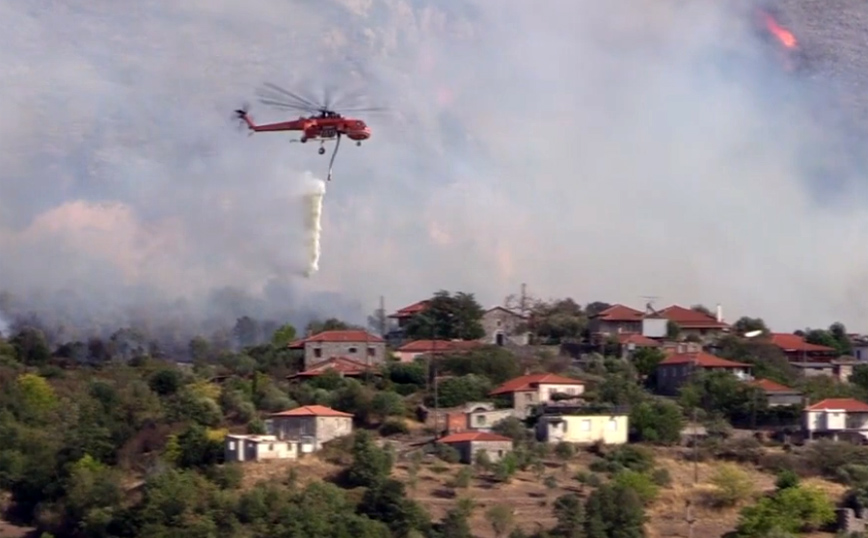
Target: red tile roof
x,y
428,346
343,365
529,382
412,310
770,386
637,339
691,319
703,360
312,411
619,312
463,437
507,310
849,405
794,342
351,336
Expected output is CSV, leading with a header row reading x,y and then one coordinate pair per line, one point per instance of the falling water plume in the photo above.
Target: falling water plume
x,y
313,224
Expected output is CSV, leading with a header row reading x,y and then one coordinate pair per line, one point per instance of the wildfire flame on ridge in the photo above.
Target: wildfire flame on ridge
x,y
783,35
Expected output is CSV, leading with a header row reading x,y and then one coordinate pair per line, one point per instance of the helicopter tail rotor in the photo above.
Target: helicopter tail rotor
x,y
240,116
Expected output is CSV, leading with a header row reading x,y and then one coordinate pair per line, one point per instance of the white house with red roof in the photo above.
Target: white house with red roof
x,y
312,425
354,344
677,369
470,443
534,389
421,348
835,416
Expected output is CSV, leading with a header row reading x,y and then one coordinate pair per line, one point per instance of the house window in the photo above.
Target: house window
x,y
352,350
500,453
586,425
231,445
571,391
317,352
613,424
270,447
480,419
371,352
528,396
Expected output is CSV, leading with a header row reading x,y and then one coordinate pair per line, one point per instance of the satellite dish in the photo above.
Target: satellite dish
x,y
751,334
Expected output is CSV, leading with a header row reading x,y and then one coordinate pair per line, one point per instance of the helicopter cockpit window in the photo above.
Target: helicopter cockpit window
x,y
360,124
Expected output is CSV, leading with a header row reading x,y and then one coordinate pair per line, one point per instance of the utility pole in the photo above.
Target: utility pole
x,y
382,315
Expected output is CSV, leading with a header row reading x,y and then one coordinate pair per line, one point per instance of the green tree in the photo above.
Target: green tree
x,y
31,347
36,397
165,382
283,336
386,404
747,324
658,421
613,511
790,510
387,501
556,320
673,330
570,516
448,317
371,464
646,359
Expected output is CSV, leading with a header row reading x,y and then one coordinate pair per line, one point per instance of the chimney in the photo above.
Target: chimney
x,y
719,313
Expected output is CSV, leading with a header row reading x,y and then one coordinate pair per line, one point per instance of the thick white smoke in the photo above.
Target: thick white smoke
x,y
313,221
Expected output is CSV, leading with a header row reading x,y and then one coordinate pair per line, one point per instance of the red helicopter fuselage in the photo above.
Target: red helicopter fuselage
x,y
317,127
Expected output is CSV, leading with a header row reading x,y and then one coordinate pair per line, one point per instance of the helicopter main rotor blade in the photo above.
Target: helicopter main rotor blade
x,y
294,96
287,106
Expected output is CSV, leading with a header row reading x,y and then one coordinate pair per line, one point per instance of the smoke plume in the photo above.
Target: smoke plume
x,y
592,152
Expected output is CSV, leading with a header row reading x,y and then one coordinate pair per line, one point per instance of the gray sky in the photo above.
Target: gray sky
x,y
589,150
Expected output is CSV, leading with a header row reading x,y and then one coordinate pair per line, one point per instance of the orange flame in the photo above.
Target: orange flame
x,y
786,37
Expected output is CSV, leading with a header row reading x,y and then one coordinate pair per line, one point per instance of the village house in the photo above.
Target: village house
x,y
677,369
693,322
358,345
469,444
839,369
583,426
314,425
403,316
797,349
476,416
422,348
343,366
834,417
242,448
778,395
859,343
528,391
630,343
616,319
504,327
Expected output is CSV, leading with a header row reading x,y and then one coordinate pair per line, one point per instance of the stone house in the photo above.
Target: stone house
x,y
616,319
677,369
470,443
504,327
311,424
693,322
357,345
797,350
529,391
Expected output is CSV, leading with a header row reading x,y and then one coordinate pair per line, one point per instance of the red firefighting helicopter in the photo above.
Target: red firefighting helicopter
x,y
322,123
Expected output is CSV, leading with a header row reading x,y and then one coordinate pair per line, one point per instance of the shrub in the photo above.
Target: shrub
x,y
641,483
787,479
394,426
661,477
732,486
462,478
447,453
564,451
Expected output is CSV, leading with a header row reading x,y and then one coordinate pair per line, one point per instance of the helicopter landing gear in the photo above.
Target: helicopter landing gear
x,y
321,150
303,139
359,143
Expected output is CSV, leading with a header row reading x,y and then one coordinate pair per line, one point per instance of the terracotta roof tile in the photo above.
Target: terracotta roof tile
x,y
428,346
691,319
637,339
351,336
703,360
528,382
849,405
463,437
410,310
312,411
344,365
794,342
770,386
619,312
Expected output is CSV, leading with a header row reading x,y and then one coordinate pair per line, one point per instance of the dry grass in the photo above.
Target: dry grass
x,y
532,501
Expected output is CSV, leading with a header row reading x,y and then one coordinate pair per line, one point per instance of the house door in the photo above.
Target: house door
x,y
498,339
